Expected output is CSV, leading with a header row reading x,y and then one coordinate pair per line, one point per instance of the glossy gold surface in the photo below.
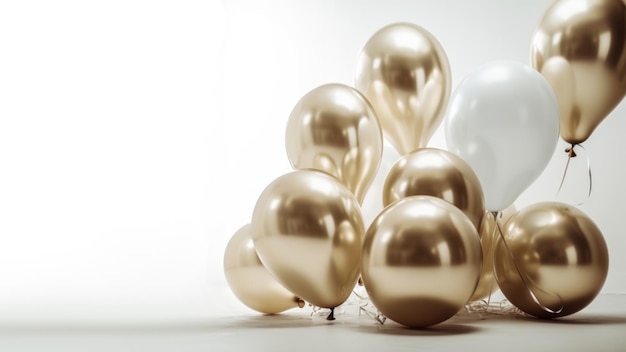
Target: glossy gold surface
x,y
560,252
580,48
334,129
487,283
307,229
421,261
405,74
251,283
437,173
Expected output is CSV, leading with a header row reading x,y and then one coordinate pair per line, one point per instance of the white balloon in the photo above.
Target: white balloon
x,y
503,120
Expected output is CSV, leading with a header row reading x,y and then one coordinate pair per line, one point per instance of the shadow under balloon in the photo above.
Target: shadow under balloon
x,y
460,324
443,329
574,319
587,319
358,323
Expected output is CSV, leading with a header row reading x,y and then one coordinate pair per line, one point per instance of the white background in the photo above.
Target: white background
x,y
136,136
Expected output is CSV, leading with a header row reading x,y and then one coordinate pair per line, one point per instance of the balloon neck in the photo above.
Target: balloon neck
x,y
570,150
299,302
331,316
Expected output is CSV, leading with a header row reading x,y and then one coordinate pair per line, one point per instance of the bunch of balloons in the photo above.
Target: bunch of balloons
x,y
448,233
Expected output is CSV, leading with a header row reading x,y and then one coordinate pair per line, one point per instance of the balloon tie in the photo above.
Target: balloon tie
x,y
570,150
572,154
527,281
331,316
299,301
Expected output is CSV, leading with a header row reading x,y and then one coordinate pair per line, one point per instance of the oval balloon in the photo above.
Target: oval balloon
x,y
421,261
503,120
488,236
307,229
560,249
251,283
334,129
405,74
437,173
580,48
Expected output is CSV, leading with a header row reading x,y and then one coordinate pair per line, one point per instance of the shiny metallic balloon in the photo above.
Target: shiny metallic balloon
x,y
307,228
405,74
561,255
253,285
421,261
580,48
487,232
334,129
437,173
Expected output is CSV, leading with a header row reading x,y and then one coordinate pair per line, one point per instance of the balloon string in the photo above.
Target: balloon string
x,y
525,279
367,308
589,173
364,301
492,253
486,305
572,154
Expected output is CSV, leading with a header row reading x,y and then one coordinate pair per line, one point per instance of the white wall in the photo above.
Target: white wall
x,y
136,136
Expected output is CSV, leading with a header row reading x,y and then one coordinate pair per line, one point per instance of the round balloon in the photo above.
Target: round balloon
x,y
561,255
503,120
251,283
437,173
580,48
334,129
307,229
405,74
421,261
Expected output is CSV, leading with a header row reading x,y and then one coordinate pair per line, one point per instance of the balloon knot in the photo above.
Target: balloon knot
x,y
331,316
299,302
570,151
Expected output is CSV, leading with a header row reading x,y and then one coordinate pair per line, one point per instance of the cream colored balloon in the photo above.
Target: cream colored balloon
x,y
334,129
438,173
580,48
253,285
421,261
561,255
404,72
307,228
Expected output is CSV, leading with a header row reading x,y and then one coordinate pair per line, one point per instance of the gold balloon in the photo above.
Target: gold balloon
x,y
405,74
487,232
580,48
334,129
561,254
437,173
253,285
307,229
421,261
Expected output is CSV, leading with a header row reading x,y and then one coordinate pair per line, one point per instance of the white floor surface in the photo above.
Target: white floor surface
x,y
229,326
